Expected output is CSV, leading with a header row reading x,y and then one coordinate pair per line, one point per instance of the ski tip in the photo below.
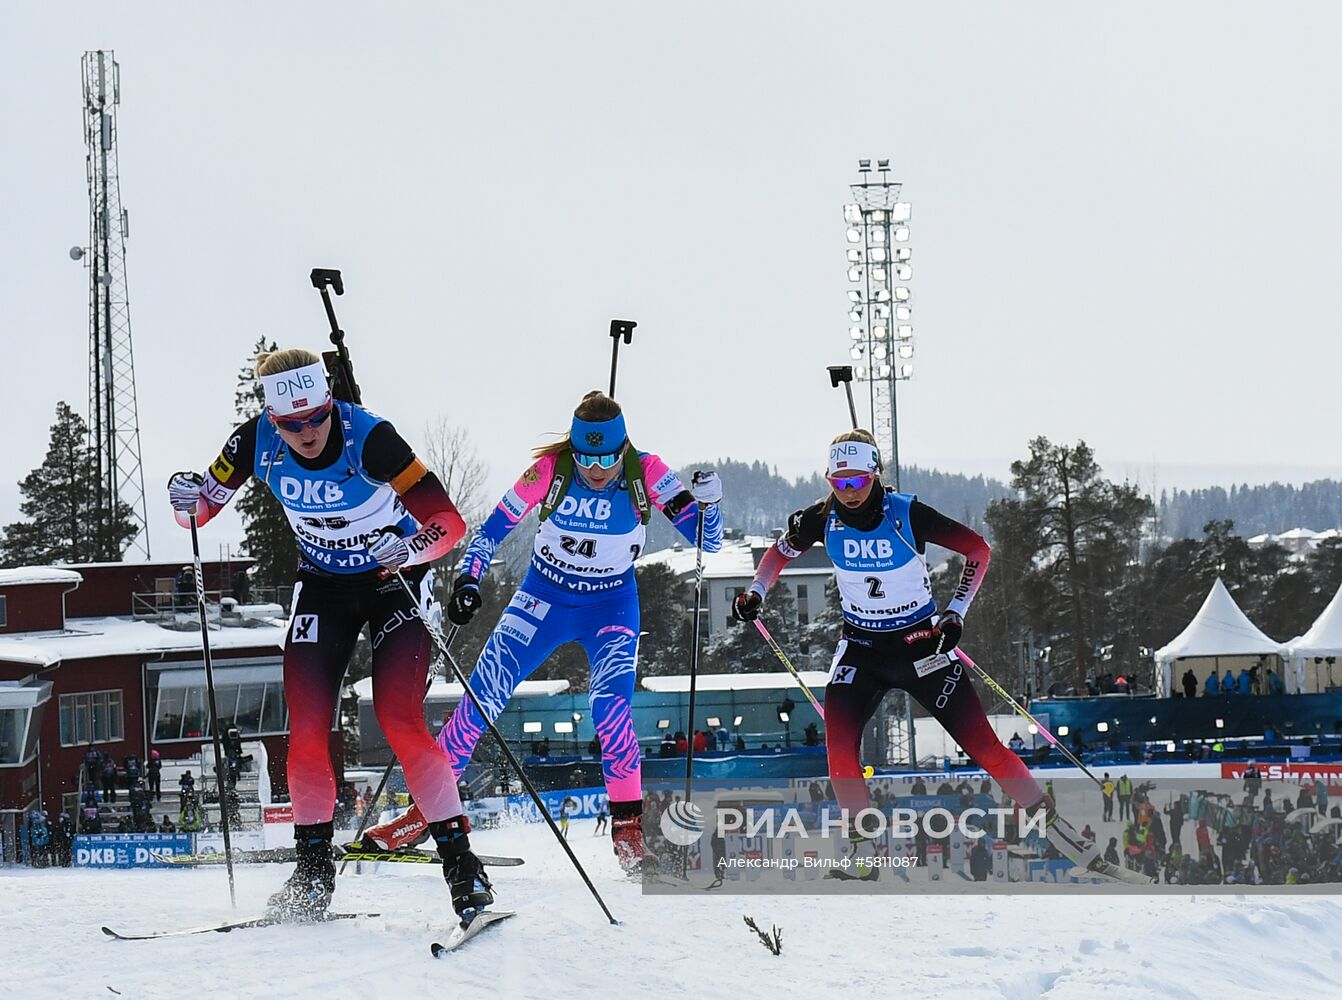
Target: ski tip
x,y
109,932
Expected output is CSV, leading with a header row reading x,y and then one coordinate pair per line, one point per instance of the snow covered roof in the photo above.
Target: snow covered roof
x,y
85,638
735,561
1324,637
735,682
37,574
1219,628
442,690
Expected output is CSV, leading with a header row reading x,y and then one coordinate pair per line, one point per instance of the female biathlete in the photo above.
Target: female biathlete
x,y
596,493
876,539
361,506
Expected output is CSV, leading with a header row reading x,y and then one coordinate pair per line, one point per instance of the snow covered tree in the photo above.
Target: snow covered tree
x,y
60,501
268,537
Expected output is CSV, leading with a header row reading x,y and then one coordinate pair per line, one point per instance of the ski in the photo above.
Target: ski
x,y
464,932
346,852
231,925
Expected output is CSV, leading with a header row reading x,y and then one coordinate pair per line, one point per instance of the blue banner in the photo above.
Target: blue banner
x,y
584,803
127,850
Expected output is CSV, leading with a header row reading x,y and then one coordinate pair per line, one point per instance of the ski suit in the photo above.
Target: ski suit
x,y
367,478
579,588
886,596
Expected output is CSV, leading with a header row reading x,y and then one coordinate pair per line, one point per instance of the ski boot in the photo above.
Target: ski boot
x,y
466,879
405,831
307,893
626,835
859,869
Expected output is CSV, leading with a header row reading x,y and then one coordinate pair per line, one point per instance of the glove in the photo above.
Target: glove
x,y
949,627
184,491
746,607
388,548
706,487
465,600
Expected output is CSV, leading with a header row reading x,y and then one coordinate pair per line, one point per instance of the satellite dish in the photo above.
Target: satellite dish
x,y
76,253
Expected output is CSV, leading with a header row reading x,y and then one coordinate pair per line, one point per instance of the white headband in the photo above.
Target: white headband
x,y
296,390
853,458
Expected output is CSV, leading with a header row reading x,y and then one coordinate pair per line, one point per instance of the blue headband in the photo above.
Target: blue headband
x,y
600,437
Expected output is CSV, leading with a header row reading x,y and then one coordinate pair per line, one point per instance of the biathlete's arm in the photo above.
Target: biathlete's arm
x,y
225,476
669,495
930,525
387,458
804,528
526,493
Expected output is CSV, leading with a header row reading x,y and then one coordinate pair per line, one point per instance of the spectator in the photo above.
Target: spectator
x,y
545,747
367,796
153,772
919,787
682,744
167,826
141,820
1253,781
812,735
89,798
1087,833
242,587
1305,800
1124,797
1175,811
1015,744
1268,809
39,839
1204,839
1212,686
91,821
565,809
602,816
1121,684
724,738
668,744
1274,682
93,766
184,589
1228,683
1190,682
1255,679
1321,796
186,785
1111,852
62,839
740,742
980,861
1245,682
131,763
109,778
594,746
1107,791
189,819
700,741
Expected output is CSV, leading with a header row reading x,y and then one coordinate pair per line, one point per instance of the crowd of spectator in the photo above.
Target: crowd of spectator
x,y
1247,681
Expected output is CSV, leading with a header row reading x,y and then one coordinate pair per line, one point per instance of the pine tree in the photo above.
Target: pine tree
x,y
269,539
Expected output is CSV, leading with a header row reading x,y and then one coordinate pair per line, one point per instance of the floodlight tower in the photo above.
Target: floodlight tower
x,y
113,417
880,334
880,308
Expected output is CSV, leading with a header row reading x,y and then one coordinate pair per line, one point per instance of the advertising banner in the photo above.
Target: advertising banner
x,y
128,850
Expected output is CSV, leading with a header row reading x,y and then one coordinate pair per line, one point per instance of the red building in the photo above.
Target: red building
x,y
109,655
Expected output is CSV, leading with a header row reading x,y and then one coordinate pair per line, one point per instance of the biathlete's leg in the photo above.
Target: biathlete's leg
x,y
610,637
401,656
949,695
855,689
323,627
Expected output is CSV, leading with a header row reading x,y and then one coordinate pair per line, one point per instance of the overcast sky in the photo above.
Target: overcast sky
x,y
1125,222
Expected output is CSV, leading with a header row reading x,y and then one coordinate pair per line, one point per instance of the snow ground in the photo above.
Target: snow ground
x,y
559,945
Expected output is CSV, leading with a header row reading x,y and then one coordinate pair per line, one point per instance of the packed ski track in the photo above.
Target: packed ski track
x,y
559,945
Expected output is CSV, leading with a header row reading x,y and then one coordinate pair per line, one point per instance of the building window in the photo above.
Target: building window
x,y
91,717
4,612
255,707
803,605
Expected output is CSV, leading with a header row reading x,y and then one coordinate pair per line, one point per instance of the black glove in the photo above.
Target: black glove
x,y
948,629
465,600
746,607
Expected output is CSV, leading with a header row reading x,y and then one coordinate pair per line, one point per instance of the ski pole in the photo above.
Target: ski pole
x,y
391,764
437,637
778,652
214,711
619,328
844,374
694,647
1043,730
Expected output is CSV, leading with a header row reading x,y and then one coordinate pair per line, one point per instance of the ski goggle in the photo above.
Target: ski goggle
x,y
597,461
314,419
859,482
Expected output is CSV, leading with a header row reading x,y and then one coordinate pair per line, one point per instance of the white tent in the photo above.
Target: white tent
x,y
1323,639
1219,628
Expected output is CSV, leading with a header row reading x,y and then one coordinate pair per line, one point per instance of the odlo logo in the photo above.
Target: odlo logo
x,y
683,823
595,438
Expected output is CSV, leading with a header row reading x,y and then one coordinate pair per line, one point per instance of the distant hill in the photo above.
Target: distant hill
x,y
1254,509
